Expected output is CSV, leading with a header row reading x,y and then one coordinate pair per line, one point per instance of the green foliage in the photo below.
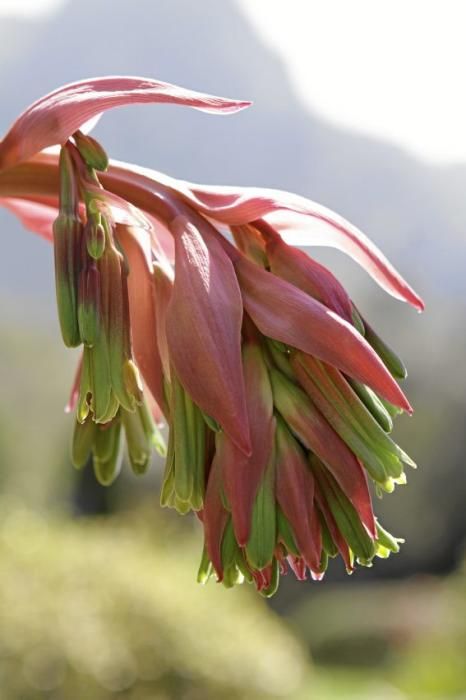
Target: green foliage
x,y
93,609
400,639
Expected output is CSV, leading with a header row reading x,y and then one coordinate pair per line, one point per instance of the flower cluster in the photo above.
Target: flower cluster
x,y
191,307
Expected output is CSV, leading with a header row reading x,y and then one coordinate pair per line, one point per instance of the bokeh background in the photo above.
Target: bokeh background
x,y
356,105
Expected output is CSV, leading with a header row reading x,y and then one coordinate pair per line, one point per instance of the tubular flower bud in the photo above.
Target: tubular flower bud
x,y
102,443
95,238
67,231
91,151
278,395
89,305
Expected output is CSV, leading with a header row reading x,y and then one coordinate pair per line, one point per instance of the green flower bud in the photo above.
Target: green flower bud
x,y
91,151
391,360
89,314
205,568
346,517
373,404
263,537
285,534
189,435
274,581
95,239
107,453
229,553
386,541
83,440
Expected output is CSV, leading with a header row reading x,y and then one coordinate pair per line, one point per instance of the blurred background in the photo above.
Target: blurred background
x,y
358,105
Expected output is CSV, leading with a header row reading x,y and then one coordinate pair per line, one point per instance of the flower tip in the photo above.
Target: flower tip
x,y
409,409
415,300
403,403
237,106
242,441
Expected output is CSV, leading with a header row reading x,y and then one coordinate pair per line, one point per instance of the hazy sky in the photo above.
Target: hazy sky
x,y
391,68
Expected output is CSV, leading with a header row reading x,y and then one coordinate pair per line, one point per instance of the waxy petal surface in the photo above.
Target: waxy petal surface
x,y
285,313
302,222
55,117
142,311
204,330
295,494
296,267
309,425
242,474
214,515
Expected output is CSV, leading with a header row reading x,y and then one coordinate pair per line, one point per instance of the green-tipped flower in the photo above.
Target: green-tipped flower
x,y
278,395
102,443
91,151
67,232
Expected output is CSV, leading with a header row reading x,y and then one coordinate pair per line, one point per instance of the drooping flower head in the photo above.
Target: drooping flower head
x,y
191,307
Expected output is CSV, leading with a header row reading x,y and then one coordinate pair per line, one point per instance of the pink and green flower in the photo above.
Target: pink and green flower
x,y
191,308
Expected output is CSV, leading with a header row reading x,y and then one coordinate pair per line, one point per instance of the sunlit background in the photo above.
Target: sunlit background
x,y
358,105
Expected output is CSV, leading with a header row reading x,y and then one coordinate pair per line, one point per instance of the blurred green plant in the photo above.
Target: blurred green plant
x,y
409,637
92,609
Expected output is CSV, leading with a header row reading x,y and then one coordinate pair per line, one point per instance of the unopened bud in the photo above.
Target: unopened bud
x,y
373,404
211,422
107,453
123,373
189,433
95,239
89,305
391,360
91,151
103,405
83,440
346,517
271,580
328,545
205,568
285,534
231,574
263,536
358,323
66,235
386,543
141,436
132,380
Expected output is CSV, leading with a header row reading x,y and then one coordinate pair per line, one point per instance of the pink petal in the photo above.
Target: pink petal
x,y
283,312
291,215
142,312
204,330
241,474
163,288
295,494
335,533
34,216
297,267
302,222
56,116
233,206
214,515
315,433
